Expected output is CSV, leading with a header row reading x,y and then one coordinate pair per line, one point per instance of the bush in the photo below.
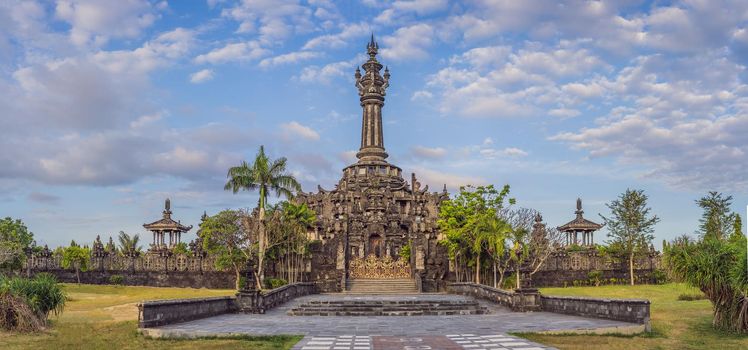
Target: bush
x,y
16,315
117,280
691,297
273,283
40,295
596,277
509,282
658,277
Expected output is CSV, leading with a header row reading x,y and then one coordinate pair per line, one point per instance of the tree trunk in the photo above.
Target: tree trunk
x,y
631,267
477,269
78,274
238,282
517,274
494,275
261,246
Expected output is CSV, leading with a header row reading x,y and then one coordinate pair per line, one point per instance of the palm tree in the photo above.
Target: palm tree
x,y
492,233
266,176
300,218
128,244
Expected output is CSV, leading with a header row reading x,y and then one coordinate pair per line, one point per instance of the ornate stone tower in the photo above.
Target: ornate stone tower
x,y
373,212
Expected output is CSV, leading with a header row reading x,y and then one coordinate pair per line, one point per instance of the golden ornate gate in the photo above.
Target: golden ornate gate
x,y
373,267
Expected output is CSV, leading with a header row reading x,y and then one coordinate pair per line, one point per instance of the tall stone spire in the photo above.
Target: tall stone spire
x,y
371,87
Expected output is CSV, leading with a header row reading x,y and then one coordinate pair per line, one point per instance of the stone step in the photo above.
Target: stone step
x,y
381,286
388,308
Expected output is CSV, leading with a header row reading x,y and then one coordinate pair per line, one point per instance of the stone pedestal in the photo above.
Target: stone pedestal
x,y
526,299
248,301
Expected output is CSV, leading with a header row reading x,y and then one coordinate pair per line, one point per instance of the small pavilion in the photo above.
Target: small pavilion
x,y
580,231
166,225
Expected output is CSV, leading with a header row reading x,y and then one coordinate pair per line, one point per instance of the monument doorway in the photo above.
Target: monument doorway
x,y
376,245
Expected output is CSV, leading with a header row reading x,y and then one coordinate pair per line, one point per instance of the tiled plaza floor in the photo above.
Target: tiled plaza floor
x,y
390,332
435,342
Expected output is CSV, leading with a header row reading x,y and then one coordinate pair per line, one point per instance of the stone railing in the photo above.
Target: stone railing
x,y
526,299
251,301
162,312
627,310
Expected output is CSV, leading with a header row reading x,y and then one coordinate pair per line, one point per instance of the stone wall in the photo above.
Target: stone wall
x,y
564,267
627,310
184,279
259,302
163,312
519,300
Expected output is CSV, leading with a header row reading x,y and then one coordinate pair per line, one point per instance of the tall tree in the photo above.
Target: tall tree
x,y
265,176
76,257
717,219
225,236
299,218
15,239
737,228
465,220
128,245
631,225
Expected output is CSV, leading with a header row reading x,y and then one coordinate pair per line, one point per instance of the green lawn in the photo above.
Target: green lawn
x,y
105,317
675,324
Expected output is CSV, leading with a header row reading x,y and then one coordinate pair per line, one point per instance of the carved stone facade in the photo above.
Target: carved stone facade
x,y
373,211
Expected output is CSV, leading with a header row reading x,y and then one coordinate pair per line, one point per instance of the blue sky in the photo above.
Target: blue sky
x,y
109,107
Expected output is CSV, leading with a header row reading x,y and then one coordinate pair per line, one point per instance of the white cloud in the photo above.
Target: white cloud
x,y
294,129
201,76
146,119
271,19
428,152
514,152
439,178
421,95
289,58
244,51
96,21
408,43
325,74
348,32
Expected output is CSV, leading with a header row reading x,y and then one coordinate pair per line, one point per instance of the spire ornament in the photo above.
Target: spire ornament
x,y
372,87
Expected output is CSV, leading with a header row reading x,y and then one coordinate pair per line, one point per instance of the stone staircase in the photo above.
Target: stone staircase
x,y
381,286
379,307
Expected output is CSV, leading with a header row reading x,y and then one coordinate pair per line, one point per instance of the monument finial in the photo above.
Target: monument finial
x,y
579,211
372,47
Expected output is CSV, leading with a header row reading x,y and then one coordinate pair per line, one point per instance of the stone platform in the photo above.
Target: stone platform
x,y
387,331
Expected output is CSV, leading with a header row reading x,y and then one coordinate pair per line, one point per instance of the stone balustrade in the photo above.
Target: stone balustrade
x,y
526,299
162,312
627,310
252,301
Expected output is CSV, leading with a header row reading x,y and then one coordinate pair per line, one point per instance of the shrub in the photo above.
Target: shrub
x,y
658,277
691,297
117,280
39,296
273,283
16,315
595,277
509,282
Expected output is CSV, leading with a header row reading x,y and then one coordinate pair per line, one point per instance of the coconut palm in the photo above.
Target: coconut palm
x,y
129,244
265,176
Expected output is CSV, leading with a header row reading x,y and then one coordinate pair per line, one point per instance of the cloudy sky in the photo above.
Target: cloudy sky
x,y
109,107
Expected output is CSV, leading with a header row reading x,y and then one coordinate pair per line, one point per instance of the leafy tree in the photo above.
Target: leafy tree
x,y
76,257
128,245
718,267
298,219
737,229
717,219
225,237
471,224
15,239
265,176
631,225
181,248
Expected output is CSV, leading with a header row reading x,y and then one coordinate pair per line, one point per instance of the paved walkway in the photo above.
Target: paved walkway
x,y
390,332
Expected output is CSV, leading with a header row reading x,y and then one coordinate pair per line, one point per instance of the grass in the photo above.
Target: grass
x,y
105,317
675,324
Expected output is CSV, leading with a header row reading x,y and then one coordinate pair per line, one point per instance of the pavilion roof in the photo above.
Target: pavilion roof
x,y
167,223
580,223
